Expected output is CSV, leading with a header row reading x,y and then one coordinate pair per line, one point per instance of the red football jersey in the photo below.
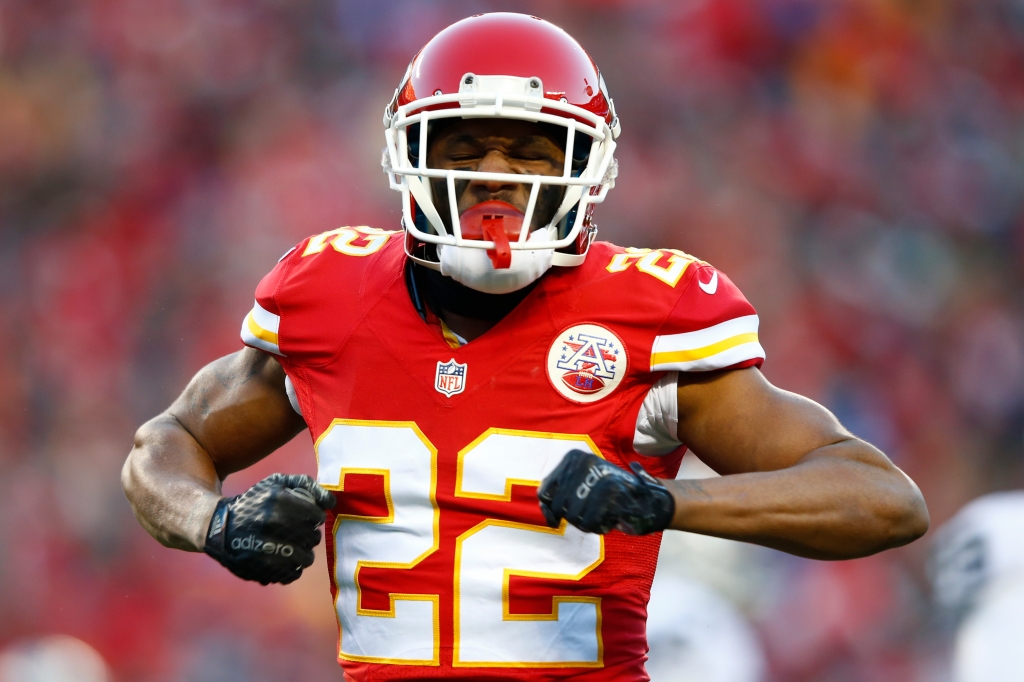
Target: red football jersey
x,y
441,563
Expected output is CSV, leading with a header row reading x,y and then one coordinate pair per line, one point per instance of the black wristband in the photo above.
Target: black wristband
x,y
216,533
656,506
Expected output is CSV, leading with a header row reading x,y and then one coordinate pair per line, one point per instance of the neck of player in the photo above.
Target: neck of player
x,y
467,312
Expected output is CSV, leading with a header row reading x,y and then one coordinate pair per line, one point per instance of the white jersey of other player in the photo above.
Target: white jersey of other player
x,y
978,573
697,635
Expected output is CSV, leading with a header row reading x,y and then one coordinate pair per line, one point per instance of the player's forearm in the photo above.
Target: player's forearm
x,y
171,483
841,501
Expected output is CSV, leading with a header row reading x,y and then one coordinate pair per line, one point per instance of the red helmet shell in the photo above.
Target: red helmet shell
x,y
507,44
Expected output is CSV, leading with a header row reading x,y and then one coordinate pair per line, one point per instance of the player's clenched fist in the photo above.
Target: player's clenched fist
x,y
268,533
596,496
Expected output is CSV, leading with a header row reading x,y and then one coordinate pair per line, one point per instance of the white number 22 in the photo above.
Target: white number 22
x,y
487,555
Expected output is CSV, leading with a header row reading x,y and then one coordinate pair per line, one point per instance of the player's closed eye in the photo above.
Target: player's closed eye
x,y
532,156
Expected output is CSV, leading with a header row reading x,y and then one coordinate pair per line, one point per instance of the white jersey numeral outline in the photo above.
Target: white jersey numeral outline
x,y
647,261
409,631
487,556
487,634
342,239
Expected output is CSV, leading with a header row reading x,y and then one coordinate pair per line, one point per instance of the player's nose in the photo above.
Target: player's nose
x,y
495,161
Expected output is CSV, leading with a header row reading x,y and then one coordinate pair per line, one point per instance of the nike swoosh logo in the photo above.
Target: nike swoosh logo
x,y
712,286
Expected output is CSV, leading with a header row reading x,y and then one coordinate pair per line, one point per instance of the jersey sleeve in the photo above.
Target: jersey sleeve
x,y
261,326
307,306
712,326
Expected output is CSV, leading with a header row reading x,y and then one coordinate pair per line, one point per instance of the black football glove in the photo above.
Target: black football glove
x,y
268,533
597,496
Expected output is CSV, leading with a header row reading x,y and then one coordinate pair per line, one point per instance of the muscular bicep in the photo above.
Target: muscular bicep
x,y
737,422
237,410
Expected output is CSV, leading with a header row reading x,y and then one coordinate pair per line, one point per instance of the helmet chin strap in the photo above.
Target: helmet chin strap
x,y
476,269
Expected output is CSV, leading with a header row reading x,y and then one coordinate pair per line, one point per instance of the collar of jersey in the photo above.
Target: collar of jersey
x,y
451,338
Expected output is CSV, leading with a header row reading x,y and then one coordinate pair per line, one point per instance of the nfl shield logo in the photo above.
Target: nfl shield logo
x,y
451,377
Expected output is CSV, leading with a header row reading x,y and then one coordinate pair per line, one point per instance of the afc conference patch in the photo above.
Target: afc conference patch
x,y
450,378
586,362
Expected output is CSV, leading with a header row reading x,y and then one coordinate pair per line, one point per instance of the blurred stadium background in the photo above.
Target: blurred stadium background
x,y
856,167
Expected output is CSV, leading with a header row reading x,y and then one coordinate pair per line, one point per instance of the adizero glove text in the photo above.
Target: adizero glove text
x,y
268,533
597,496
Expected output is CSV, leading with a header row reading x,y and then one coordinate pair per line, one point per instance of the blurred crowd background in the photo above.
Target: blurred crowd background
x,y
856,167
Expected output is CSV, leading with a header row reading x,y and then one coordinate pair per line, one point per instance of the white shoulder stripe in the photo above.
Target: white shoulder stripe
x,y
265,319
721,345
705,337
259,330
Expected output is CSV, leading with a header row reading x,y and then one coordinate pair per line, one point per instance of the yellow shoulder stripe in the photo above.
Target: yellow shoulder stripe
x,y
676,356
258,331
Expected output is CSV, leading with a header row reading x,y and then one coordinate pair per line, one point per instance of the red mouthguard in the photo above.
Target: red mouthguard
x,y
493,221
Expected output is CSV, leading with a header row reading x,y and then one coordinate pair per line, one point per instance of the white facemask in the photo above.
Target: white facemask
x,y
473,268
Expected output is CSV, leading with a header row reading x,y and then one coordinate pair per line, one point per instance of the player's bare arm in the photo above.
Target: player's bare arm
x,y
233,413
792,477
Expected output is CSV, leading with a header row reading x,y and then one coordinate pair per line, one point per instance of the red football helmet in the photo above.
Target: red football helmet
x,y
513,66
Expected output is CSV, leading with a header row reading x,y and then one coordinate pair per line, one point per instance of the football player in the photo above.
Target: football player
x,y
487,355
977,571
